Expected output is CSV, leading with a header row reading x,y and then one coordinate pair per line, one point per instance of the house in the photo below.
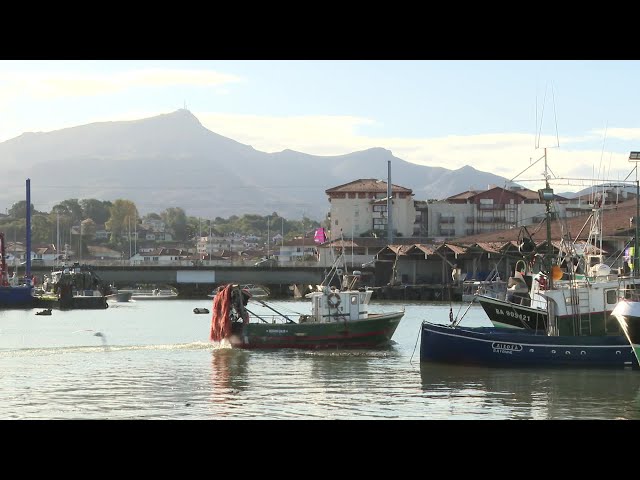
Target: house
x,y
45,255
296,251
162,256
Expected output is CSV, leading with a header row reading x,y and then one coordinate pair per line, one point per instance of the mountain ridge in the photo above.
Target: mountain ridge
x,y
172,160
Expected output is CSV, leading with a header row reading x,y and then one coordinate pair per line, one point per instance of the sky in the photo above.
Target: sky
x,y
495,115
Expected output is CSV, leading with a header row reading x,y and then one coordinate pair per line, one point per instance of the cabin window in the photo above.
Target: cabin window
x,y
611,296
354,299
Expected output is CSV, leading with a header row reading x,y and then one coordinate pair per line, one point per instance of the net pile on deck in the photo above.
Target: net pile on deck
x,y
221,317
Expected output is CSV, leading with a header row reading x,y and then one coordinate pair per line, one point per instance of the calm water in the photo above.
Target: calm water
x,y
153,361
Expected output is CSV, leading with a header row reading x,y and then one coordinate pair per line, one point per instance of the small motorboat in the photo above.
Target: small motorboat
x,y
46,311
200,310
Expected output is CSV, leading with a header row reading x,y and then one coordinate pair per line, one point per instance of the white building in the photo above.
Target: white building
x,y
361,206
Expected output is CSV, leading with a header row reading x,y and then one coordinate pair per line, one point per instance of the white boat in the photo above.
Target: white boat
x,y
153,294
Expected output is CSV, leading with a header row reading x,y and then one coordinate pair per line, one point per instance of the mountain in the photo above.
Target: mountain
x,y
171,160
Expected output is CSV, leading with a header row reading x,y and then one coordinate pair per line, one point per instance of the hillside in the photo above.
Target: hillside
x,y
171,160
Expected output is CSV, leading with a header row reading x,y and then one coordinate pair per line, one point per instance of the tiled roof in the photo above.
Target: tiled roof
x,y
615,223
367,185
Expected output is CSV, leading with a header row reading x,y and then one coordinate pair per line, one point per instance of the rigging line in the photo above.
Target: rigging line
x,y
535,140
554,114
604,138
530,165
414,347
544,101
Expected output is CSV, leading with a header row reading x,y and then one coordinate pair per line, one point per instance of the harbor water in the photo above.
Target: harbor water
x,y
153,360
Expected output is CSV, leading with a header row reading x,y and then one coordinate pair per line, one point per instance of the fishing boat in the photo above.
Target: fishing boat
x,y
472,289
20,292
576,282
550,322
516,348
74,287
339,318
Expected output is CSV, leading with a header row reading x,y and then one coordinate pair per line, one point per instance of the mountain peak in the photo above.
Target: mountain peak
x,y
181,115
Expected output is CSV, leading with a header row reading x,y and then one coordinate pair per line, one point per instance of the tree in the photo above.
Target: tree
x,y
87,232
19,209
176,220
97,210
41,229
71,208
122,216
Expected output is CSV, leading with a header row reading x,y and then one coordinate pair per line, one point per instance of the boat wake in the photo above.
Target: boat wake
x,y
47,351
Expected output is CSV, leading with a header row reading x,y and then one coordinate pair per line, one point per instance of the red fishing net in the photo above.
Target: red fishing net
x,y
221,319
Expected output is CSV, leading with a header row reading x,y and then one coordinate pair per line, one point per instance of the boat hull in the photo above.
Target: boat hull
x,y
509,348
16,297
503,314
375,331
120,296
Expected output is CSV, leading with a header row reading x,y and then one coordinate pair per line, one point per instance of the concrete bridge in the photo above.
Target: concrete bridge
x,y
198,281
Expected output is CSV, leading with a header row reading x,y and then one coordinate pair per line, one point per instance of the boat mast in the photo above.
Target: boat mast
x,y
546,195
28,252
389,205
548,215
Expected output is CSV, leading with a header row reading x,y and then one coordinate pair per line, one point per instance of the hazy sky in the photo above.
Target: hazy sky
x,y
445,113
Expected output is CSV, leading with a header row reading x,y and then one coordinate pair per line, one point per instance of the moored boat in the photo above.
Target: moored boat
x,y
154,294
552,322
18,293
74,287
518,348
472,289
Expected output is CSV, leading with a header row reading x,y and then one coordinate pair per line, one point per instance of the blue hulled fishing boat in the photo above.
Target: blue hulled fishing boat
x,y
593,321
17,293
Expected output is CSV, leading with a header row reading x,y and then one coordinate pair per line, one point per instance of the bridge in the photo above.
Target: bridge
x,y
198,281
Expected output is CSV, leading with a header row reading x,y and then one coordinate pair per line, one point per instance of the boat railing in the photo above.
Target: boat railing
x,y
275,319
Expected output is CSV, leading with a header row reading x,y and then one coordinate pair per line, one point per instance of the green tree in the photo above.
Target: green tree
x,y
70,207
175,219
97,210
19,209
152,216
40,229
122,217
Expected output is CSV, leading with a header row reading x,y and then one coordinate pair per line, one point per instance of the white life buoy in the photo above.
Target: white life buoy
x,y
333,300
